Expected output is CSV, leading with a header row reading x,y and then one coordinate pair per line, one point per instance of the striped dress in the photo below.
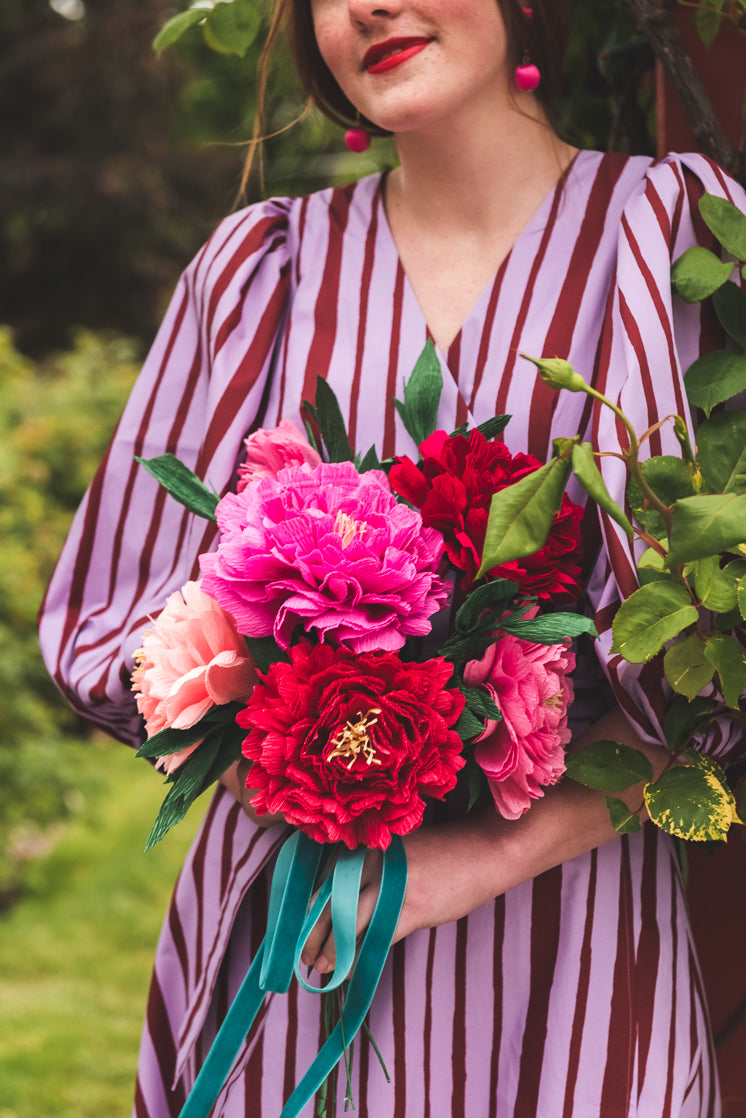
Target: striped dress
x,y
576,995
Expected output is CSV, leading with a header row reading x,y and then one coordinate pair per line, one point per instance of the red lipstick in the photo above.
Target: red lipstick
x,y
385,56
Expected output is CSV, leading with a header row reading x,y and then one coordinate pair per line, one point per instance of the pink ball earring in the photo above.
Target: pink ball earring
x,y
527,76
357,139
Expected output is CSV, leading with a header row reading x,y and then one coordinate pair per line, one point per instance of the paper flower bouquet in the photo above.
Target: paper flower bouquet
x,y
306,647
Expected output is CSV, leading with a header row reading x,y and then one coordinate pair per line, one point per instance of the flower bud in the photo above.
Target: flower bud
x,y
558,373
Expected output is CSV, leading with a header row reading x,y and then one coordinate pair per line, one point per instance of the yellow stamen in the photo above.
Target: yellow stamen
x,y
354,740
348,528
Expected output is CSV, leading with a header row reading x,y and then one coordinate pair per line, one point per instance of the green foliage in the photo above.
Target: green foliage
x,y
521,514
419,409
691,512
182,483
55,421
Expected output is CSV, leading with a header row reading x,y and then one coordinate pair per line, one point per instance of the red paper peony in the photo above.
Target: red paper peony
x,y
345,746
453,489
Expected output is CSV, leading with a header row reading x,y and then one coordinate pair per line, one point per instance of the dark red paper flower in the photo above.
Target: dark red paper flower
x,y
453,488
345,746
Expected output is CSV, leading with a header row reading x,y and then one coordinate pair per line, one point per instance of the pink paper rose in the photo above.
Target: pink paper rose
x,y
524,753
268,452
191,660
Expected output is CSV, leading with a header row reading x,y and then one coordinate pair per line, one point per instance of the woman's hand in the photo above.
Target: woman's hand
x,y
234,779
455,867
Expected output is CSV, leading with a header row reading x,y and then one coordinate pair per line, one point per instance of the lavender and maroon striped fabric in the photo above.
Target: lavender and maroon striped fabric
x,y
577,994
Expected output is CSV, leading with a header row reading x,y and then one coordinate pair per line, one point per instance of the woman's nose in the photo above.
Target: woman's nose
x,y
370,11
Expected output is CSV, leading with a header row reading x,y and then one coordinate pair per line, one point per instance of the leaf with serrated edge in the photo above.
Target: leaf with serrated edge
x,y
686,667
589,476
727,223
721,452
698,273
730,306
691,803
650,617
715,378
707,524
684,719
715,586
608,766
521,515
175,27
623,820
726,655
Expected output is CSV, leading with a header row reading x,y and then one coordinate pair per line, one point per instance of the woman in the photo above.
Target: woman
x,y
575,992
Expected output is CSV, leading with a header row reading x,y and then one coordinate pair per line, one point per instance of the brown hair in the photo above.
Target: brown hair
x,y
540,37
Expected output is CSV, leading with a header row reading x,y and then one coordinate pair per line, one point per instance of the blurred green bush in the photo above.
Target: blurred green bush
x,y
55,420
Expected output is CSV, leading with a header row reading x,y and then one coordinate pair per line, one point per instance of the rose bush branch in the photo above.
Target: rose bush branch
x,y
690,511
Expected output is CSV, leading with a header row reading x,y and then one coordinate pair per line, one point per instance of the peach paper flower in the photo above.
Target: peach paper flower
x,y
268,452
191,660
525,752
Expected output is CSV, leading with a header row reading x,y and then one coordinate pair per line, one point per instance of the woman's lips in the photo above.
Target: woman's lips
x,y
385,56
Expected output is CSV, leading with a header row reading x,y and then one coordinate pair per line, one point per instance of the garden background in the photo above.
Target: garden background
x,y
115,165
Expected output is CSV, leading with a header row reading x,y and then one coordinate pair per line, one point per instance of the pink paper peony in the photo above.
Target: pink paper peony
x,y
268,452
524,753
191,660
329,550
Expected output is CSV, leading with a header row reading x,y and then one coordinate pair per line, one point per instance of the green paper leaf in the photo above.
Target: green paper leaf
x,y
623,820
714,378
494,426
727,223
721,452
479,706
369,461
188,782
715,586
649,618
698,273
182,483
707,524
264,651
169,741
684,719
419,410
730,306
691,803
231,27
521,515
741,596
726,655
686,666
175,27
589,476
476,620
549,628
328,415
608,766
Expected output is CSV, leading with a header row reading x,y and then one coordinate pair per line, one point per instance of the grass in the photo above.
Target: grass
x,y
76,950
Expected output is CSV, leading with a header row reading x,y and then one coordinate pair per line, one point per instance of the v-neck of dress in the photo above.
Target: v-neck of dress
x,y
477,312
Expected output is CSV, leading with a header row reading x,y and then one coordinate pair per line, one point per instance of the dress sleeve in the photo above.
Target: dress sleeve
x,y
649,340
201,389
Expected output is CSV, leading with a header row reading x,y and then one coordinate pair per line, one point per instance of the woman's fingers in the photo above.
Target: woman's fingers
x,y
234,779
320,950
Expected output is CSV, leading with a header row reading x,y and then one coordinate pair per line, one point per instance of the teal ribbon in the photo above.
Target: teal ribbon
x,y
290,922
